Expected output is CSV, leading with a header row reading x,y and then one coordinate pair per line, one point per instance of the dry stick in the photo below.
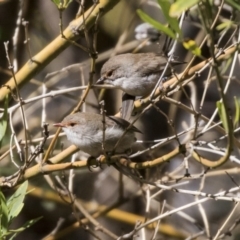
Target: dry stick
x,y
33,171
159,143
169,213
103,112
14,138
158,222
193,102
52,50
204,161
203,42
51,168
92,71
77,108
77,204
49,53
92,220
228,118
226,221
27,39
94,42
139,105
226,87
86,49
47,168
81,7
202,210
120,216
189,110
12,180
230,229
10,66
171,84
16,35
111,212
39,168
189,71
170,122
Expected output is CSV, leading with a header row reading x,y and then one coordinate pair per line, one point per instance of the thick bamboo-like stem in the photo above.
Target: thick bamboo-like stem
x,y
53,49
171,83
110,212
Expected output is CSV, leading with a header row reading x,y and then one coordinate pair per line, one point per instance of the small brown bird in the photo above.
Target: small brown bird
x,y
135,74
85,130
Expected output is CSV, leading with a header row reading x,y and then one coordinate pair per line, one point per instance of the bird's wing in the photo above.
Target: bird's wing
x,y
123,123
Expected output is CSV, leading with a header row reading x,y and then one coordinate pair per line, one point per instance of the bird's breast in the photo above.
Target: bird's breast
x,y
139,86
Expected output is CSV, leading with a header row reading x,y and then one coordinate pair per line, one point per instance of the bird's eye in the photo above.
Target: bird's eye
x,y
109,74
72,124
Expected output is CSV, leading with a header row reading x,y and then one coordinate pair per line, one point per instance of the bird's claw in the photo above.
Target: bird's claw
x,y
90,163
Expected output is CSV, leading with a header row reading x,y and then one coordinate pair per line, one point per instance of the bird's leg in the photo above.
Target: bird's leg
x,y
108,158
127,106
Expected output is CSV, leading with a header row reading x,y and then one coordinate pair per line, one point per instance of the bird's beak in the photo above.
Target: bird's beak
x,y
58,125
100,80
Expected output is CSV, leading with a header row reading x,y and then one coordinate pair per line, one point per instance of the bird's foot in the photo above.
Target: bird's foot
x,y
127,152
93,162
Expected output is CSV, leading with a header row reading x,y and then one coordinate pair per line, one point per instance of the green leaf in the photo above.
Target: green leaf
x,y
25,226
62,4
15,202
172,21
224,25
234,4
156,24
4,223
237,111
180,6
223,115
192,46
3,119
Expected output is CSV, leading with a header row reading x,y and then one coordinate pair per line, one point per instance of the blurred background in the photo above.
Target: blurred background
x,y
120,31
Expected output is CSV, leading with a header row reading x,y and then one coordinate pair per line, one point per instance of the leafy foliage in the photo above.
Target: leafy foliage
x,y
10,209
159,26
237,111
192,46
62,4
172,21
180,6
222,114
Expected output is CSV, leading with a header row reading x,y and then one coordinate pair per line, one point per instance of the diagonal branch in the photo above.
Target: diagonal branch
x,y
59,44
